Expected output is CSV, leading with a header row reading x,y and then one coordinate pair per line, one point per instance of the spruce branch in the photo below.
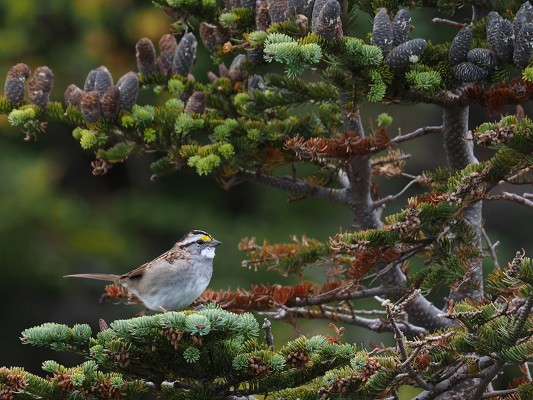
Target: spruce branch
x,y
389,198
516,198
491,248
295,185
425,130
399,337
444,21
373,324
498,393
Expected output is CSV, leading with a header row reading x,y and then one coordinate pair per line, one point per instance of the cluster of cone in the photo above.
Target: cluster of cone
x,y
508,42
391,37
39,86
100,97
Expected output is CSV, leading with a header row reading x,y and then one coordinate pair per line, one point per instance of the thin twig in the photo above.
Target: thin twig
x,y
527,372
376,325
425,130
298,186
491,248
444,21
513,197
340,294
498,393
387,161
398,336
392,197
459,375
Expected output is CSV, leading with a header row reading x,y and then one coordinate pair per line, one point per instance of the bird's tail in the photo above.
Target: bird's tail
x,y
100,277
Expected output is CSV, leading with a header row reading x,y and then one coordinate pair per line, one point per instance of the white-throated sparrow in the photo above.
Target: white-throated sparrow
x,y
173,280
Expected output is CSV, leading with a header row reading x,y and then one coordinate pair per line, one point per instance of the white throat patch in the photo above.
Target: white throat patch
x,y
208,252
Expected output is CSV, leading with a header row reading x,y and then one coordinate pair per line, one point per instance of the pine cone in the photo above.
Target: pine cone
x,y
89,81
145,55
262,16
110,103
212,35
328,20
468,72
523,16
277,10
401,26
382,31
73,96
196,103
236,71
14,87
317,8
523,49
401,56
167,50
90,106
185,55
493,22
460,46
482,58
40,86
128,85
299,7
504,40
102,80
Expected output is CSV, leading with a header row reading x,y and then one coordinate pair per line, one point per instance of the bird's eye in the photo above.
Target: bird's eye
x,y
199,242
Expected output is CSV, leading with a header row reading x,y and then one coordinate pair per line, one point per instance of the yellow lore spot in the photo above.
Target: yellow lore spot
x,y
206,238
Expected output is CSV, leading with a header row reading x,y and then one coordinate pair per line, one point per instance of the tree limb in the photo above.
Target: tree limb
x,y
297,185
425,130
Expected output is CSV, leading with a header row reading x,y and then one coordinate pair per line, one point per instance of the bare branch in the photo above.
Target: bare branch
x,y
297,185
425,130
340,294
498,393
459,375
389,198
376,325
443,21
491,247
398,336
513,197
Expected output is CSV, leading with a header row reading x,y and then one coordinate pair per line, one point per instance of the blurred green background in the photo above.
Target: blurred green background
x,y
56,218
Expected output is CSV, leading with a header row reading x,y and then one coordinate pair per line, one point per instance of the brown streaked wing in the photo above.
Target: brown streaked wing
x,y
137,272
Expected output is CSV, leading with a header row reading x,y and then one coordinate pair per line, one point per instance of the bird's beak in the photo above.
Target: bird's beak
x,y
214,243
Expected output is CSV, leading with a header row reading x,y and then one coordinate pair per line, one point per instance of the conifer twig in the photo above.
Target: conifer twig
x,y
513,197
374,324
298,186
389,198
425,130
491,248
499,393
444,21
339,295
